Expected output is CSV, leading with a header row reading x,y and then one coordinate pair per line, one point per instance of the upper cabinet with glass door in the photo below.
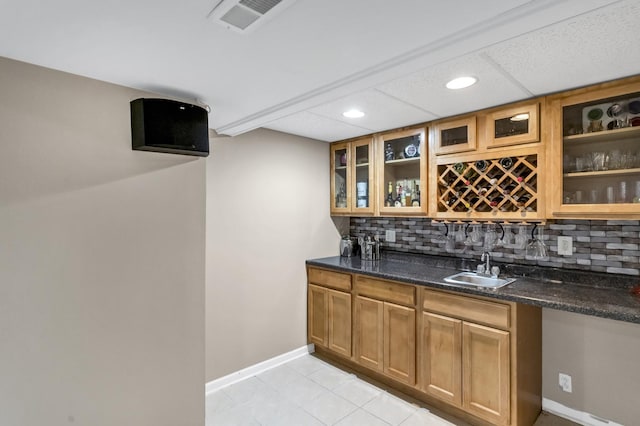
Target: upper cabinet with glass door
x,y
595,134
352,178
513,125
402,172
453,136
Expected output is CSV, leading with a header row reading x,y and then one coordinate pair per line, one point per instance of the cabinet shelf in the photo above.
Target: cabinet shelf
x,y
362,165
604,135
610,173
402,161
341,167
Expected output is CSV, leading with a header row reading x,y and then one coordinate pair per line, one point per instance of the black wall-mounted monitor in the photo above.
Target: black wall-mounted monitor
x,y
163,125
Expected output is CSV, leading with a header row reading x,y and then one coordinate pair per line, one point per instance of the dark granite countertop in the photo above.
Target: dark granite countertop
x,y
588,293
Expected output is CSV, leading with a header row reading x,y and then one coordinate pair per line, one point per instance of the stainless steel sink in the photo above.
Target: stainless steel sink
x,y
472,279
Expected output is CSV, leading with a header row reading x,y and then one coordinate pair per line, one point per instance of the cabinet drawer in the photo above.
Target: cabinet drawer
x,y
480,311
386,290
331,279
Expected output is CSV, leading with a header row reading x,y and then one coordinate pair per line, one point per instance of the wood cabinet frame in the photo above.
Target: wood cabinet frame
x,y
351,170
556,208
420,162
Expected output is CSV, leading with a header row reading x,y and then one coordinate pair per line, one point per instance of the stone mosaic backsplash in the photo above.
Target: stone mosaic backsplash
x,y
611,246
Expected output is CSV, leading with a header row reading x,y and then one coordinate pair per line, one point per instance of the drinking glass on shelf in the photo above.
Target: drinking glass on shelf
x,y
610,195
598,160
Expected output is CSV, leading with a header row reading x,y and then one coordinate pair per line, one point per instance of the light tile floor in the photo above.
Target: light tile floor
x,y
308,392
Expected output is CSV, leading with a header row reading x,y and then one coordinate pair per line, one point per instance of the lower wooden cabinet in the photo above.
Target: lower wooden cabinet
x,y
441,357
478,357
466,365
385,338
368,331
486,374
329,311
400,342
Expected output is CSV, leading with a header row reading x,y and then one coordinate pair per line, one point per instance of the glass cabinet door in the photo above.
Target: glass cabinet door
x,y
455,136
362,189
598,153
402,172
513,126
340,178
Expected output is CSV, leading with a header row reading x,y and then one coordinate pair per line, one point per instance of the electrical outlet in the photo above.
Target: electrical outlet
x,y
564,381
565,246
390,236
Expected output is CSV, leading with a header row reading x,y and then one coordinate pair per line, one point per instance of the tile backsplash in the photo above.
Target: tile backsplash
x,y
598,245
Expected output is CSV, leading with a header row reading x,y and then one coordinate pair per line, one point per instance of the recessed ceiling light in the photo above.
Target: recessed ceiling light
x,y
353,113
461,82
520,117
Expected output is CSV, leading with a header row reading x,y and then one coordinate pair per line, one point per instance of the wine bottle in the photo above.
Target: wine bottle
x,y
470,176
389,200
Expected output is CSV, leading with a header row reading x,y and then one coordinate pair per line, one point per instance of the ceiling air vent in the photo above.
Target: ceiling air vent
x,y
245,16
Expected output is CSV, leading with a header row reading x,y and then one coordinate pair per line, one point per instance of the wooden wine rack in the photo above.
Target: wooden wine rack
x,y
500,188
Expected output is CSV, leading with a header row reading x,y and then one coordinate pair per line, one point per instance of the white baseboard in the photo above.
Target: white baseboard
x,y
576,416
258,368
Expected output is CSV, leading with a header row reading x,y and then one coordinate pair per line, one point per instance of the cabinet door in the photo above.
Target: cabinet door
x,y
369,332
362,169
441,357
454,136
317,319
400,342
402,172
595,164
340,178
339,322
486,373
514,125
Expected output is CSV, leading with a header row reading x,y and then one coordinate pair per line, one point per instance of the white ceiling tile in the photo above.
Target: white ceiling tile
x,y
426,89
383,112
595,47
316,127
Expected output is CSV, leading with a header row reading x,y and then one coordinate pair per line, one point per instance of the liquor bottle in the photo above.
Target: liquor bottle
x,y
388,153
415,200
407,194
389,200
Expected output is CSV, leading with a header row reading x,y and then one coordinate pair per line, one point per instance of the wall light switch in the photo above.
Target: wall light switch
x,y
565,246
390,236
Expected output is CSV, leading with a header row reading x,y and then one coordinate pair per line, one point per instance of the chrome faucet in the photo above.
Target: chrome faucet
x,y
487,269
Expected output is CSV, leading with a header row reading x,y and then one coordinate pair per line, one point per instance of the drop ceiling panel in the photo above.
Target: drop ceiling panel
x,y
382,112
426,89
316,127
595,47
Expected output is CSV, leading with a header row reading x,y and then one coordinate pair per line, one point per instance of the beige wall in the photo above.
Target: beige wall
x,y
267,212
603,358
101,261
